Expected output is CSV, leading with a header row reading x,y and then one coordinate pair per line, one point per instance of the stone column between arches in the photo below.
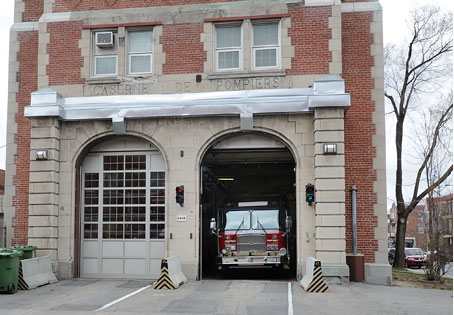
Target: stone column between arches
x,y
44,187
330,193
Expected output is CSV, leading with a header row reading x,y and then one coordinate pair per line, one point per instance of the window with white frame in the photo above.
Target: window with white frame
x,y
105,53
265,44
140,52
228,47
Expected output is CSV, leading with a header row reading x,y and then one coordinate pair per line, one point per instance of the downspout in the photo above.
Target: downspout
x,y
355,247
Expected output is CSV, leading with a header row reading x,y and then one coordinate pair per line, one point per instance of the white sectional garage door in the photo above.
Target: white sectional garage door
x,y
123,211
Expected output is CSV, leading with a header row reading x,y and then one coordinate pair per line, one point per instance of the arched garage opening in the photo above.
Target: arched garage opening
x,y
122,209
236,170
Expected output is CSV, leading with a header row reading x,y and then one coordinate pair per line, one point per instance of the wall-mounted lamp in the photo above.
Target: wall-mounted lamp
x,y
41,155
329,148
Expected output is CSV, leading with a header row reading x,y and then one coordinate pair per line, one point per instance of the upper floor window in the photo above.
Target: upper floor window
x,y
105,53
265,45
228,47
137,51
140,52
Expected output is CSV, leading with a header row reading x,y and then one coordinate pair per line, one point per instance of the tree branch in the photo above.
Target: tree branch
x,y
430,152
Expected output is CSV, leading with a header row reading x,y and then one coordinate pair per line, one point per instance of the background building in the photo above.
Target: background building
x,y
418,220
415,235
113,104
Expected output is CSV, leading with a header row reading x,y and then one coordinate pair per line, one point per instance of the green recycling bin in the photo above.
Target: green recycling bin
x,y
28,251
9,269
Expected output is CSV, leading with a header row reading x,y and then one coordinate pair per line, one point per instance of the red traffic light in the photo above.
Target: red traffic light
x,y
179,198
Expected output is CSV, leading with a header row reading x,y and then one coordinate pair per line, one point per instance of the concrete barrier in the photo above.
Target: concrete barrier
x,y
35,272
313,278
171,275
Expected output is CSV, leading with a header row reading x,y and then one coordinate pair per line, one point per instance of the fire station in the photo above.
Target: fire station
x,y
131,123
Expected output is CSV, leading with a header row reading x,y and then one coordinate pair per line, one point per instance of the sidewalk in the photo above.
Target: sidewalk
x,y
448,273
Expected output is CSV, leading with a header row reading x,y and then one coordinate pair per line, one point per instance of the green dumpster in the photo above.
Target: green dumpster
x,y
9,269
28,251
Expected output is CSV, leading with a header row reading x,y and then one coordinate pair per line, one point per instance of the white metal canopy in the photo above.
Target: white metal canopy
x,y
328,91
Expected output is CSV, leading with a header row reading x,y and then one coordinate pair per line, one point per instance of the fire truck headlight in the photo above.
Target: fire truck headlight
x,y
224,251
230,247
282,251
271,247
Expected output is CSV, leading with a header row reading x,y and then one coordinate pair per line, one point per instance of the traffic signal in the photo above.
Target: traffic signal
x,y
310,193
180,195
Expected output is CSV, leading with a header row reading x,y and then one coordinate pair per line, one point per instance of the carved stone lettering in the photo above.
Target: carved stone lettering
x,y
117,89
248,84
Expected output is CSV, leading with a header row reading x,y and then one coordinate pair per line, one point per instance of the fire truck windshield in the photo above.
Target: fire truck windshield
x,y
237,220
259,219
265,219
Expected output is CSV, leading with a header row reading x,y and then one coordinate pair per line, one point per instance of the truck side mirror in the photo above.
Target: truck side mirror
x,y
288,223
213,225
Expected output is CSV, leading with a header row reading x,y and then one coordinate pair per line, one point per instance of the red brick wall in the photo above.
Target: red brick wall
x,y
33,10
28,80
359,129
65,61
86,5
183,49
310,34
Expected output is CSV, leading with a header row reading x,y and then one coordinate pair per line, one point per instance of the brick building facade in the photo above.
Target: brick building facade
x,y
416,234
190,86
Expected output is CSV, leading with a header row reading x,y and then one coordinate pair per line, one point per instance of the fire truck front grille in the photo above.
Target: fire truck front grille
x,y
251,243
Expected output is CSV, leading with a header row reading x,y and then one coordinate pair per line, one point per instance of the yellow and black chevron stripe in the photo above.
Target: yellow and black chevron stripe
x,y
22,285
317,284
164,282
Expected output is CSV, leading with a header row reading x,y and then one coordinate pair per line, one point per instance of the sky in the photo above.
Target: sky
x,y
394,26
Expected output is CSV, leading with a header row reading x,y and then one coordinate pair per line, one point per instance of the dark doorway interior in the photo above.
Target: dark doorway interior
x,y
256,174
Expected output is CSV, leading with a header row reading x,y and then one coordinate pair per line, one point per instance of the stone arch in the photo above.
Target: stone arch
x,y
263,131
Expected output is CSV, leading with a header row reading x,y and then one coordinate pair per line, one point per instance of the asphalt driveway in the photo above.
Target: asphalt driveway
x,y
245,297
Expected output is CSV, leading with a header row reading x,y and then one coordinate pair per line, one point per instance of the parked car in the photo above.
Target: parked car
x,y
414,257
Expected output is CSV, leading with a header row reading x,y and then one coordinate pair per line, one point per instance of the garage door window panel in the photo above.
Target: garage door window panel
x,y
157,210
112,231
91,201
124,206
113,180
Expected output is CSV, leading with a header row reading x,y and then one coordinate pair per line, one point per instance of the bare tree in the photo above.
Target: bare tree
x,y
411,71
437,205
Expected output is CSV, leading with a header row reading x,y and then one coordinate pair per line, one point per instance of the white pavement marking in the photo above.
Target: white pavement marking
x,y
290,302
122,298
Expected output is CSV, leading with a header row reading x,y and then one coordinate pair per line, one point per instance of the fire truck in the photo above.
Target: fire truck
x,y
252,234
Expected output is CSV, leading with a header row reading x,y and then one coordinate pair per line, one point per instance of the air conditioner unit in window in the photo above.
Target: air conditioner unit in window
x,y
104,39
